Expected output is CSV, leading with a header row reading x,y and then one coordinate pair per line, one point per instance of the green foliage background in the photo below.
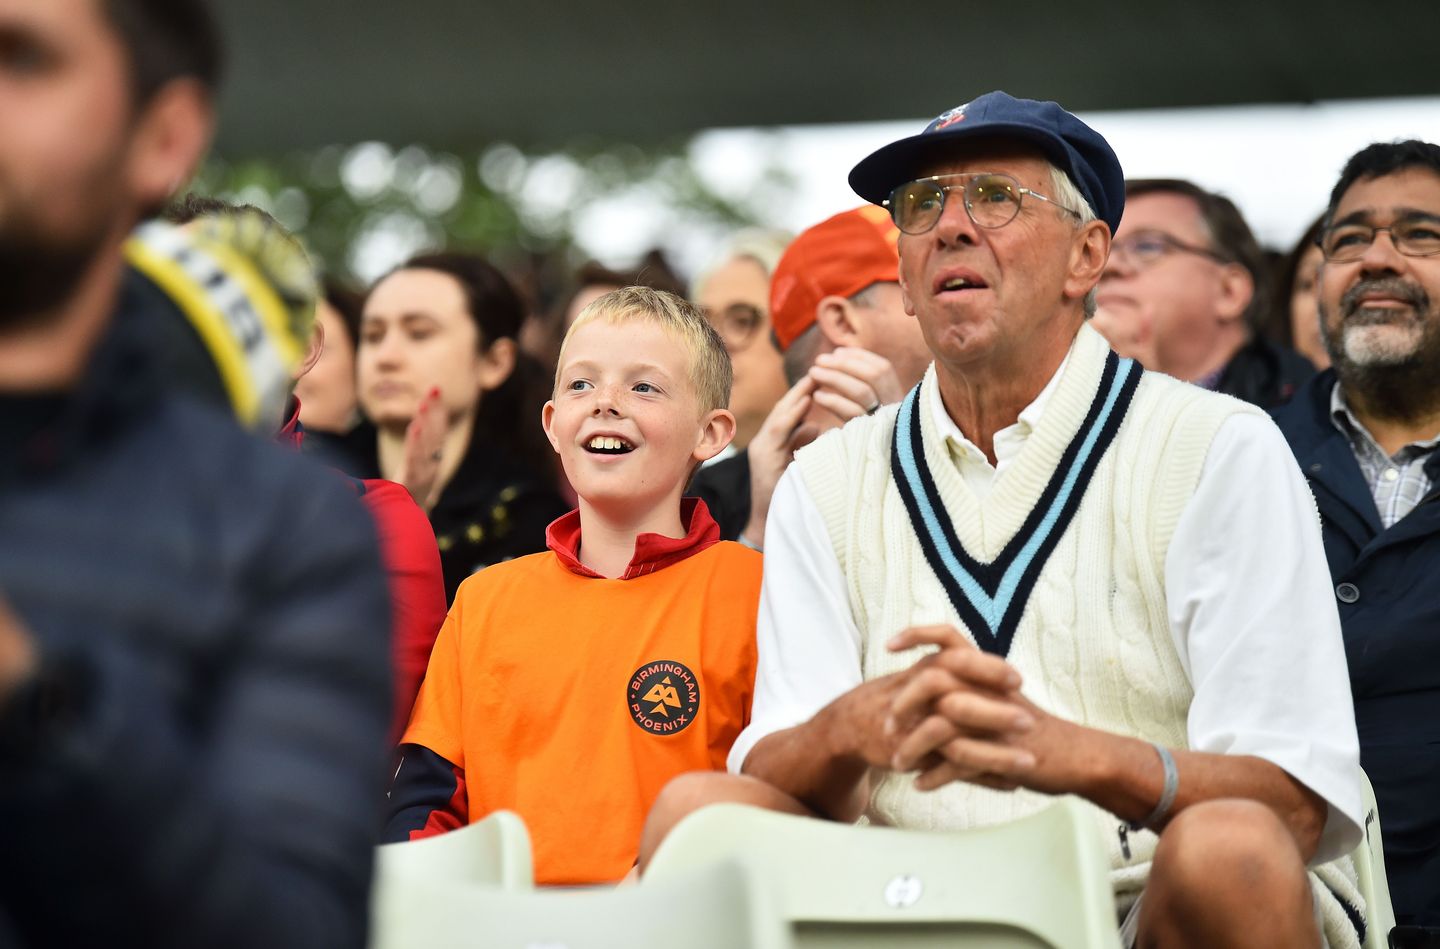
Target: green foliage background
x,y
352,204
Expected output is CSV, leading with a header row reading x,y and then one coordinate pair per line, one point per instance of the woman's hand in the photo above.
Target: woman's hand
x,y
424,449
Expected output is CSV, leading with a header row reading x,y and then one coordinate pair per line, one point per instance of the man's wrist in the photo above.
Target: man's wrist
x,y
1083,764
1161,813
838,733
1125,776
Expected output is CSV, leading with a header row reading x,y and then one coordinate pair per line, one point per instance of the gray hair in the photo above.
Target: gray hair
x,y
1069,196
762,246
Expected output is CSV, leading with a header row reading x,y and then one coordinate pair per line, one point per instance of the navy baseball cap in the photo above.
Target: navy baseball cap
x,y
1070,144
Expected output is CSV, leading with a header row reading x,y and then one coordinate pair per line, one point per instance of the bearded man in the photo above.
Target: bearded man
x,y
193,625
1365,434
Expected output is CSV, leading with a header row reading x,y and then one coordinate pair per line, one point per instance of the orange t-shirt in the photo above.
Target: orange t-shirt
x,y
572,699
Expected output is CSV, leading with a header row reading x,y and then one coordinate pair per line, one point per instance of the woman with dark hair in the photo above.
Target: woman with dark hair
x,y
456,408
1297,313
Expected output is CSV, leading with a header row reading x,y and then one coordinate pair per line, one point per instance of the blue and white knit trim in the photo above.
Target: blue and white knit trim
x,y
990,597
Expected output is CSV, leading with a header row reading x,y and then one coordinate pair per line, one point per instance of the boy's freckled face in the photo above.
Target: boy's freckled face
x,y
626,419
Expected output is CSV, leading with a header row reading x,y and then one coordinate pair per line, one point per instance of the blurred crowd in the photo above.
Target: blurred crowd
x,y
244,507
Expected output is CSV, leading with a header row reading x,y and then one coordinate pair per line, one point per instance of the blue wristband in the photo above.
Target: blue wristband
x,y
1167,796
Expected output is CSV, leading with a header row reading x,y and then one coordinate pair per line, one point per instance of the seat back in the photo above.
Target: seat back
x,y
1369,860
1038,882
494,852
721,906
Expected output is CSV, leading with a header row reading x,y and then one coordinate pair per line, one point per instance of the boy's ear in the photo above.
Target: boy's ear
x,y
547,421
716,431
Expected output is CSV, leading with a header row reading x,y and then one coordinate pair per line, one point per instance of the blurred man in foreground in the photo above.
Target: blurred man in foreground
x,y
193,680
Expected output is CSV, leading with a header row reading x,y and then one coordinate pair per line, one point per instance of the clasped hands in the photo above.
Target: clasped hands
x,y
958,715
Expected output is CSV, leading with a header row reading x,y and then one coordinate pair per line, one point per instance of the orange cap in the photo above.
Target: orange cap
x,y
840,256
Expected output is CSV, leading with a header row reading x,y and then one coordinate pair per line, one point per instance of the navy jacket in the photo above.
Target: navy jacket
x,y
1387,586
217,610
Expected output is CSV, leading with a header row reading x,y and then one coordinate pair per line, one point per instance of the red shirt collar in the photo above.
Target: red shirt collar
x,y
292,433
652,551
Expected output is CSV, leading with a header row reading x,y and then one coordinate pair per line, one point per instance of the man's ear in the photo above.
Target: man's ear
x,y
839,322
547,422
172,135
717,428
1237,289
313,352
1088,255
905,289
496,363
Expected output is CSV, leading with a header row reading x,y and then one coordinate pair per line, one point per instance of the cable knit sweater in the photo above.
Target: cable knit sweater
x,y
1092,639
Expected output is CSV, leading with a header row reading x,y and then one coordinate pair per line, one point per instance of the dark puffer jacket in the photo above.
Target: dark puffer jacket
x,y
212,613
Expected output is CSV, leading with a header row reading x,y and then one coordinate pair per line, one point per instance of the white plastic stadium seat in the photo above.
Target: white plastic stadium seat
x,y
719,907
494,851
1038,882
1369,860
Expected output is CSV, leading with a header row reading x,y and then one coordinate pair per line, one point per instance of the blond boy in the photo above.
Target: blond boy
x,y
570,686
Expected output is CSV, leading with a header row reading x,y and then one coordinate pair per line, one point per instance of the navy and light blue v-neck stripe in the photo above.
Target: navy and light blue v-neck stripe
x,y
990,597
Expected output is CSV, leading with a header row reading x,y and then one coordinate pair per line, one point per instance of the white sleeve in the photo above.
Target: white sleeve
x,y
807,642
1254,619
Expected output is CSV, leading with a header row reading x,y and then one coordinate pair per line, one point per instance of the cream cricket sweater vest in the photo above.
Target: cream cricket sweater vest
x,y
1088,630
1061,569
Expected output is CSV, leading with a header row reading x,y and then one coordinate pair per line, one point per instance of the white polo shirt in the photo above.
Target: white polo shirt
x,y
1248,594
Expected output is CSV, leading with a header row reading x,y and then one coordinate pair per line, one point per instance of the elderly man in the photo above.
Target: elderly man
x,y
1365,434
848,346
1049,572
1186,275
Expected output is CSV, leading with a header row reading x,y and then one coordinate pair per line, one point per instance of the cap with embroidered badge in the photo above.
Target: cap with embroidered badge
x,y
840,256
1069,143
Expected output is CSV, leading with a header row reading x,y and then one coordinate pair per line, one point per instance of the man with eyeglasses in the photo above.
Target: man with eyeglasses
x,y
1049,572
1365,434
1185,281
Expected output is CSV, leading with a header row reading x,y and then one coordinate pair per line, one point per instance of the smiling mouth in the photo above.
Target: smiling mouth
x,y
1382,296
608,445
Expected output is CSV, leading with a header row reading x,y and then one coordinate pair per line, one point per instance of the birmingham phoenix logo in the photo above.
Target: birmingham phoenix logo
x,y
663,697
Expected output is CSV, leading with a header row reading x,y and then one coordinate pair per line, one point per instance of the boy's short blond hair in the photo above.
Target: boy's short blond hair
x,y
710,370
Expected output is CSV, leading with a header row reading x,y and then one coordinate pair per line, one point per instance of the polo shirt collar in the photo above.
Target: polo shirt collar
x,y
1009,440
652,551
